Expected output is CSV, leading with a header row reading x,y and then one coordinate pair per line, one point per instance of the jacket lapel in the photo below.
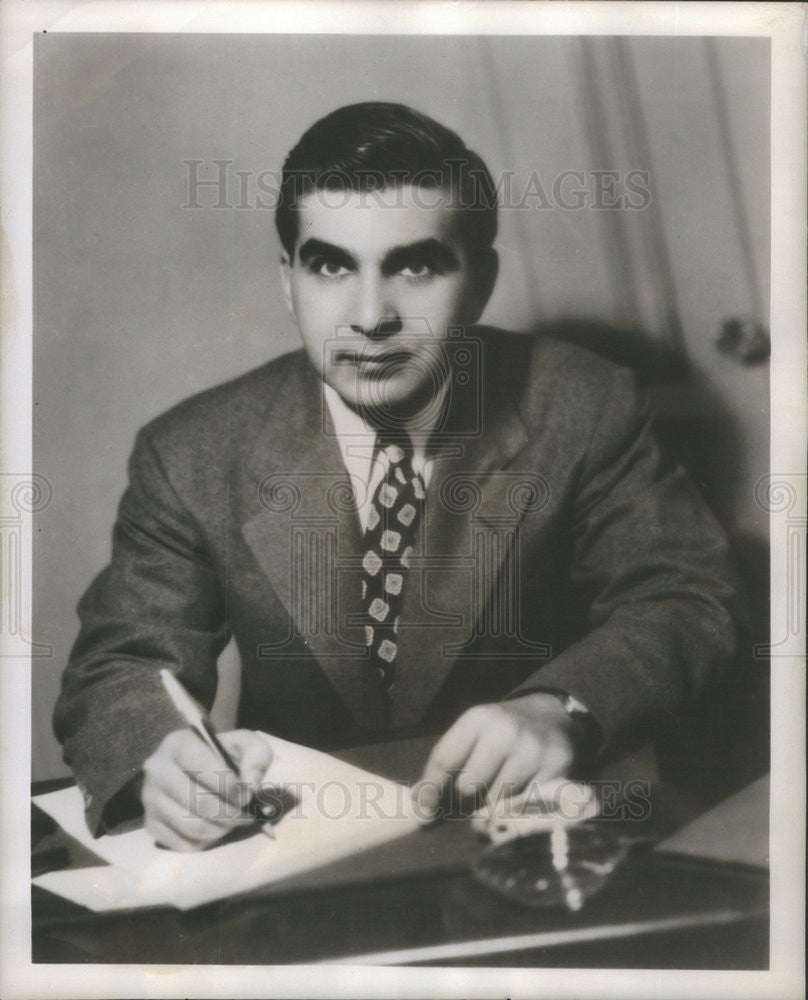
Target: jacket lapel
x,y
472,509
307,540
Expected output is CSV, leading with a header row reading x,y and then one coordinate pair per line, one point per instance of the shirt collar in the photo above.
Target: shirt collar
x,y
352,428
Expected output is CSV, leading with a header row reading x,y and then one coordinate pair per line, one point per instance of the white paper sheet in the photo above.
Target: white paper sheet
x,y
339,810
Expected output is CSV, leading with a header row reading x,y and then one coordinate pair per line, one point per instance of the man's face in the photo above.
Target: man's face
x,y
374,286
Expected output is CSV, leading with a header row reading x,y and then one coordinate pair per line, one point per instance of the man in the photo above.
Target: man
x,y
411,526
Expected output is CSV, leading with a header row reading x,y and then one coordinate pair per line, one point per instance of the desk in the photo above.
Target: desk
x,y
414,902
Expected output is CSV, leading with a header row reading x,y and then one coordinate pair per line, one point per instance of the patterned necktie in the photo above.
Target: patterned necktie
x,y
389,537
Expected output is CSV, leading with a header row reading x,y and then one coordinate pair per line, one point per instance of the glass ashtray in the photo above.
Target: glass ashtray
x,y
559,867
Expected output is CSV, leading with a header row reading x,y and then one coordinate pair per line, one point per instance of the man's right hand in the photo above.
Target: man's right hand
x,y
190,797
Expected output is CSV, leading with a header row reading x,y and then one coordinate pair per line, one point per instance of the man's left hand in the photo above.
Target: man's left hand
x,y
498,749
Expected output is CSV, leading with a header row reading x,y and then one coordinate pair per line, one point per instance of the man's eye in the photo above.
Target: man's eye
x,y
417,270
330,269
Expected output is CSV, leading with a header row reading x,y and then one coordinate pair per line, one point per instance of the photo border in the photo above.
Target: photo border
x,y
784,24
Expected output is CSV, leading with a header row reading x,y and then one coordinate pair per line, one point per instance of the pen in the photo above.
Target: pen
x,y
199,720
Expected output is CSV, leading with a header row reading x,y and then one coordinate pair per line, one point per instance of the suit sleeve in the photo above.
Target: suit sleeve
x,y
158,604
650,567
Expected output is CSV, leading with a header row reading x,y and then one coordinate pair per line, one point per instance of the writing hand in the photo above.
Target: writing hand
x,y
190,799
498,749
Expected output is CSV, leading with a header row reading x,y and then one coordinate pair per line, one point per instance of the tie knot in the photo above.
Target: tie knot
x,y
397,448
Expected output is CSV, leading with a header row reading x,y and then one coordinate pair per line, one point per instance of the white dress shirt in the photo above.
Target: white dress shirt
x,y
357,444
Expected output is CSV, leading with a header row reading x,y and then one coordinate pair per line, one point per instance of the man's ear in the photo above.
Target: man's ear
x,y
484,276
286,283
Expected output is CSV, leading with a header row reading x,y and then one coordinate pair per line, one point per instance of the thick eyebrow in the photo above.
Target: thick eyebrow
x,y
313,248
431,252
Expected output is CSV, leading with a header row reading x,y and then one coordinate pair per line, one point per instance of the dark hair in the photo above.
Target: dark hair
x,y
374,145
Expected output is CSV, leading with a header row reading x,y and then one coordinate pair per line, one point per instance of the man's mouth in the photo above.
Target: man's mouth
x,y
373,361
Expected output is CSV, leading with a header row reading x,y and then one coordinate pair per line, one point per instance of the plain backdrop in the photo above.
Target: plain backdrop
x,y
140,300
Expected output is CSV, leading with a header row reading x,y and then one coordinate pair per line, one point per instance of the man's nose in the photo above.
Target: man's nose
x,y
374,312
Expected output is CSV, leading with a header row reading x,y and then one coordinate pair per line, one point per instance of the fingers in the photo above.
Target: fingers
x,y
498,748
166,836
188,771
535,758
491,752
516,772
251,751
557,756
172,826
190,798
448,756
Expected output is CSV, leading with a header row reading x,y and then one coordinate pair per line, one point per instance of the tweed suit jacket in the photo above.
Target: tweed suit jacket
x,y
559,550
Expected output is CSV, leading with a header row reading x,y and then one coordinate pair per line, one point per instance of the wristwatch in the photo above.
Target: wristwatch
x,y
572,706
592,733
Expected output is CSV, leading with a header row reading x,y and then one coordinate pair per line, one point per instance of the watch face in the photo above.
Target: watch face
x,y
574,707
562,867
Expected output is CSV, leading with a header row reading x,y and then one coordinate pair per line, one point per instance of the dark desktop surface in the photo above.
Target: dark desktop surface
x,y
415,901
